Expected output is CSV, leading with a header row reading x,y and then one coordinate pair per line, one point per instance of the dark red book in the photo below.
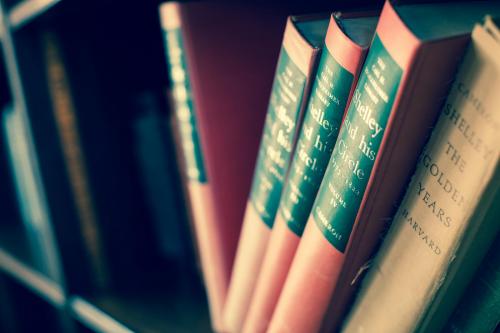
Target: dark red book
x,y
229,53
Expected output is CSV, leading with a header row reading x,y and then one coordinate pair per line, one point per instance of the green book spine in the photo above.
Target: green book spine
x,y
278,138
184,107
317,138
204,215
353,157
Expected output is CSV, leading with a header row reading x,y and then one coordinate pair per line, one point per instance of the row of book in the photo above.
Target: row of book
x,y
373,197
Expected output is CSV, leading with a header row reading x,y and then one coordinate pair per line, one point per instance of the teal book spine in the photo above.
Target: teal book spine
x,y
159,178
183,104
317,138
278,138
352,160
199,191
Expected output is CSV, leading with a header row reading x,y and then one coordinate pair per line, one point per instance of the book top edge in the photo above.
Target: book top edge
x,y
435,21
170,15
298,47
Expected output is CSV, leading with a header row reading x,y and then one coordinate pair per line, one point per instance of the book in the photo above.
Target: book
x,y
209,242
346,43
154,150
66,123
441,218
407,73
196,33
100,128
479,308
302,41
183,194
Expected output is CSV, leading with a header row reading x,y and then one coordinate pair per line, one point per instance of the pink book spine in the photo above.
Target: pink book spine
x,y
295,64
275,266
210,247
320,256
251,248
309,284
342,58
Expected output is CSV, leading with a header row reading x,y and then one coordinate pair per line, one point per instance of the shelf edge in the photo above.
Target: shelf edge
x,y
32,279
90,315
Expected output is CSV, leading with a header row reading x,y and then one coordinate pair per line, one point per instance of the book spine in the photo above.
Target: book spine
x,y
452,173
334,83
184,108
288,98
67,126
479,308
203,211
154,148
320,254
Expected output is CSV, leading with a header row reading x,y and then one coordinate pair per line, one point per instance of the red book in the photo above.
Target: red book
x,y
221,84
346,44
408,70
302,40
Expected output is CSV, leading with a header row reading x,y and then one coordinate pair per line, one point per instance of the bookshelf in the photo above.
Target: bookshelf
x,y
43,287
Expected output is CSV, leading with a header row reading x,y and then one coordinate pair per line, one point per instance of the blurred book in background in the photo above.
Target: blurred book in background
x,y
220,89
